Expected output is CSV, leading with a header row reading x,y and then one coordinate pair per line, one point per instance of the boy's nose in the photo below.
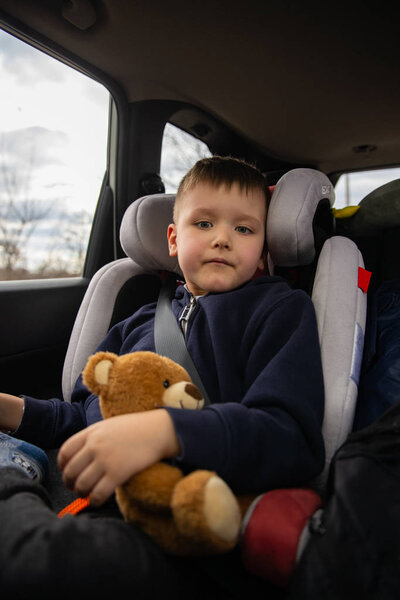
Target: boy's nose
x,y
222,240
221,243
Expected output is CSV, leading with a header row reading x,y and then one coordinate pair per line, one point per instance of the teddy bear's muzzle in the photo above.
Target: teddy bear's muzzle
x,y
183,395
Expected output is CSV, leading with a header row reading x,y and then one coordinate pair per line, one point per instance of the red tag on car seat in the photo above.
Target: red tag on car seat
x,y
364,278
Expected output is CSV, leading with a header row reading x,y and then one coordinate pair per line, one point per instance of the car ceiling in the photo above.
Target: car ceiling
x,y
308,83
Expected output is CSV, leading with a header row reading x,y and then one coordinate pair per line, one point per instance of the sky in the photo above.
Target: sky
x,y
57,115
53,136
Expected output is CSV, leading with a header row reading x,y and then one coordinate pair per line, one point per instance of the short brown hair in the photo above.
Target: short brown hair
x,y
223,170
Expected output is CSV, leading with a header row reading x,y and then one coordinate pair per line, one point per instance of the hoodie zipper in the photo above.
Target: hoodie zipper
x,y
186,313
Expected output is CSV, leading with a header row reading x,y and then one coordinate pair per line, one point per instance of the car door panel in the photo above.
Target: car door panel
x,y
36,319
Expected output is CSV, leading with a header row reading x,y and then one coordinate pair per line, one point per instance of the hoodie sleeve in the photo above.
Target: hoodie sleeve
x,y
48,423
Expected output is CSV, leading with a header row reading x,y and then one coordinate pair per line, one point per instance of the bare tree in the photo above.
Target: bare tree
x,y
75,239
66,255
19,212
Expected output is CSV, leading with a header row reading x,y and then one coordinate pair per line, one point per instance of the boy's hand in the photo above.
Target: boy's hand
x,y
11,411
98,459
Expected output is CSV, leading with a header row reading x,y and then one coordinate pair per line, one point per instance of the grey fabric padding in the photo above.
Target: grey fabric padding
x,y
94,317
341,308
143,232
290,218
143,236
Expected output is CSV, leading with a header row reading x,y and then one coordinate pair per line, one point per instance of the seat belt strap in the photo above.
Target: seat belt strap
x,y
168,336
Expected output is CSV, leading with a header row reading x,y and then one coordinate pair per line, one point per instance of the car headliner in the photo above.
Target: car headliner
x,y
309,83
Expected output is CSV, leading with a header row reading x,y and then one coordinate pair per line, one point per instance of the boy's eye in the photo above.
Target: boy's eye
x,y
204,224
243,229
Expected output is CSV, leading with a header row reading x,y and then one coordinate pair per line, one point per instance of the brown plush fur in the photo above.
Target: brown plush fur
x,y
186,515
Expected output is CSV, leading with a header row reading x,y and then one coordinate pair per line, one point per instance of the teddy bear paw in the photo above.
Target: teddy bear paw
x,y
206,510
221,510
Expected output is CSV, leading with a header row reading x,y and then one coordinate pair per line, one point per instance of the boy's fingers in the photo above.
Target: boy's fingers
x,y
70,448
88,479
101,491
75,467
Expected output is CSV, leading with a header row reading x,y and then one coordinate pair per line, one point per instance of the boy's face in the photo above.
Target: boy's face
x,y
218,237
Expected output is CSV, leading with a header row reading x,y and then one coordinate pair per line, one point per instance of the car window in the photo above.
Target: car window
x,y
351,188
179,152
53,144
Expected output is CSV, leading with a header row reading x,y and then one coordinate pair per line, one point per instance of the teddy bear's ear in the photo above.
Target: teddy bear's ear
x,y
96,373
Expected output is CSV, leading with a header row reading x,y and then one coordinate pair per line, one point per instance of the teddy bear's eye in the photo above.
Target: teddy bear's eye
x,y
166,383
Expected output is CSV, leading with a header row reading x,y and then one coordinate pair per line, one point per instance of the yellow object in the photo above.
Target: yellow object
x,y
345,213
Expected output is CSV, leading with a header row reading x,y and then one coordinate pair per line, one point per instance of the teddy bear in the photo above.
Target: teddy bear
x,y
186,515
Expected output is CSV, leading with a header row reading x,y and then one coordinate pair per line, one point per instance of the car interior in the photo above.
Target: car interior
x,y
300,90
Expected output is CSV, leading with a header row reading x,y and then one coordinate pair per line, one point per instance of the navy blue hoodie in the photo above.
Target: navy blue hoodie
x,y
257,352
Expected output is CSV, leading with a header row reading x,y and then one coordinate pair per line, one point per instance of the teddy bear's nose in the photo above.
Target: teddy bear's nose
x,y
193,391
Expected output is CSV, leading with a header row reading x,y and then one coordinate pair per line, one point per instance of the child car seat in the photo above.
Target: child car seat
x,y
299,223
293,235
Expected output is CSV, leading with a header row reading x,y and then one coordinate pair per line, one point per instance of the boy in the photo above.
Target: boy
x,y
254,343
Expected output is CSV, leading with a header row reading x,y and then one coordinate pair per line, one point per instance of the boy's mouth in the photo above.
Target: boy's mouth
x,y
219,261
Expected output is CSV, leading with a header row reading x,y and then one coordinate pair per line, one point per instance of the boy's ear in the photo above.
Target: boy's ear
x,y
171,235
97,371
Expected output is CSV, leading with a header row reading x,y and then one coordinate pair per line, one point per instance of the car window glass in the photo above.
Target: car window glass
x,y
53,142
179,152
351,188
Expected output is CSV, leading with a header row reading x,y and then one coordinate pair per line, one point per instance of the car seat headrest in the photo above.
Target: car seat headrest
x,y
299,217
299,214
143,233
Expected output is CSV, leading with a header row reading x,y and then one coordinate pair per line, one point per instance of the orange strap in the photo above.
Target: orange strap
x,y
75,507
